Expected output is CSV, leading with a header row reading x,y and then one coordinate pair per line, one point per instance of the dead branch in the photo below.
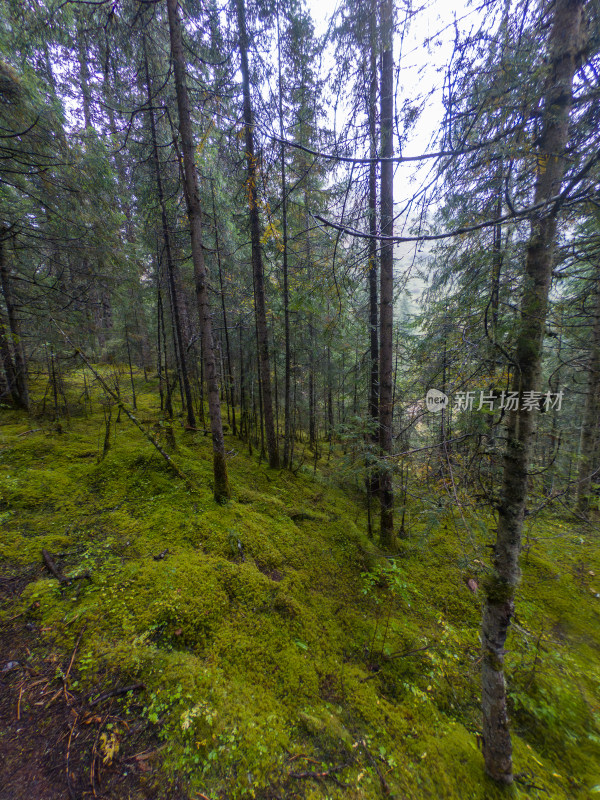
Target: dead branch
x,y
385,787
134,687
54,568
129,415
321,776
58,573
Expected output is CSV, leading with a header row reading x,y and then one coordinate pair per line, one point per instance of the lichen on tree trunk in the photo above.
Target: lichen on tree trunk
x,y
564,46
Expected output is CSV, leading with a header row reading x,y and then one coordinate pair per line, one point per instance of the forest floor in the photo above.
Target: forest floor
x,y
267,648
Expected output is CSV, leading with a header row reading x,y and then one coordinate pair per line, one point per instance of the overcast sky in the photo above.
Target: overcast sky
x,y
424,49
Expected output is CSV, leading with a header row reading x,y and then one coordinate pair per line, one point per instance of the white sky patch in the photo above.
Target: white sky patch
x,y
423,49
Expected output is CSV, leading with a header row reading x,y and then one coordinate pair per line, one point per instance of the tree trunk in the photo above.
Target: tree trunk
x,y
373,475
84,71
159,348
591,414
386,494
373,316
133,397
19,372
170,268
287,433
244,425
500,587
8,365
192,196
257,266
230,380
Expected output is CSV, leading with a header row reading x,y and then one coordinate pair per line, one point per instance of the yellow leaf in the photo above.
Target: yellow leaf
x,y
109,747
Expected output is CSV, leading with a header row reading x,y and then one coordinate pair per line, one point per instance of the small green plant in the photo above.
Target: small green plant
x,y
385,585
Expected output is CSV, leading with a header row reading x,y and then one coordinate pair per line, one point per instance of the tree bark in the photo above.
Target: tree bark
x,y
591,414
230,380
257,265
500,588
8,365
287,412
372,481
386,314
373,316
19,373
192,196
179,346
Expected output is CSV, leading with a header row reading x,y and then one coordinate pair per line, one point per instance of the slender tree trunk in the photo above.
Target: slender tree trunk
x,y
244,427
54,380
159,347
177,336
133,397
311,393
169,433
192,196
565,38
169,389
261,420
275,385
373,299
135,291
372,482
169,256
497,262
554,436
201,382
330,422
257,266
294,409
8,365
84,70
287,433
497,259
386,494
20,367
230,380
591,414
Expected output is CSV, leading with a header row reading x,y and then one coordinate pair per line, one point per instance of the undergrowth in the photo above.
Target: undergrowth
x,y
283,654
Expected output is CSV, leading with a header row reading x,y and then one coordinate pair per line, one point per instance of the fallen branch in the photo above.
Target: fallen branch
x,y
321,776
68,672
403,654
129,415
58,573
146,754
410,652
72,794
385,787
115,692
54,568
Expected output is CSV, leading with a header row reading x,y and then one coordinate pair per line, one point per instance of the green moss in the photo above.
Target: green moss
x,y
260,640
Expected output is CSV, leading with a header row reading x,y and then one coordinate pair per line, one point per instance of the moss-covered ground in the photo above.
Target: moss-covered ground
x,y
283,654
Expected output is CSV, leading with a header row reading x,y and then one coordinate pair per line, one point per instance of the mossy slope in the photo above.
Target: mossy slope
x,y
273,637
